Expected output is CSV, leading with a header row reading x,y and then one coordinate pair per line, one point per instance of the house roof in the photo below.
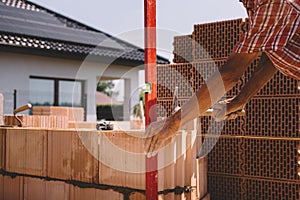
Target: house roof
x,y
28,26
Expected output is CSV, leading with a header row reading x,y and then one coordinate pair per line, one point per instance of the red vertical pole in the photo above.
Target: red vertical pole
x,y
150,98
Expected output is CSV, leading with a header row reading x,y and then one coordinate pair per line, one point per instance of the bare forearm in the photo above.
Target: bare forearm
x,y
216,86
262,74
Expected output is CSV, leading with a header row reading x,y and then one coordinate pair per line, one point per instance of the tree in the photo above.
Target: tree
x,y
106,87
137,108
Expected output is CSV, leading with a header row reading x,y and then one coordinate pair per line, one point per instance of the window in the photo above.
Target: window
x,y
70,93
46,91
41,92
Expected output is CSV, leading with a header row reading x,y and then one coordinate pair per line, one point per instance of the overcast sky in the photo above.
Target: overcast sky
x,y
125,18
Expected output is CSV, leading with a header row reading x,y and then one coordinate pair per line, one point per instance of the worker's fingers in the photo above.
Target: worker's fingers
x,y
146,145
151,137
222,103
152,147
222,116
161,143
152,130
219,114
220,111
155,146
231,116
156,135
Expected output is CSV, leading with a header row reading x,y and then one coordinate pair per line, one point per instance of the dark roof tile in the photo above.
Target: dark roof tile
x,y
22,5
25,24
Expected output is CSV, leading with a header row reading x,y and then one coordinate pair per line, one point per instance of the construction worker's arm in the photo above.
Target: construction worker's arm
x,y
216,86
261,75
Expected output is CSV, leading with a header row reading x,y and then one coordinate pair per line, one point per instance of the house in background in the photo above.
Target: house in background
x,y
49,59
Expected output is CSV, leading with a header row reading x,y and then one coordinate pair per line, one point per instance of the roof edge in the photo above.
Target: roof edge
x,y
94,29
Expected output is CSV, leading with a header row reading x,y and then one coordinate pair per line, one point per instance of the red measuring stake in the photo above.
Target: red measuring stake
x,y
150,97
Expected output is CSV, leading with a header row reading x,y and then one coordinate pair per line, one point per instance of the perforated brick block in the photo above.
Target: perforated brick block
x,y
174,75
225,156
188,78
225,188
216,40
278,85
277,117
275,159
242,164
183,49
236,188
204,69
165,106
269,189
229,127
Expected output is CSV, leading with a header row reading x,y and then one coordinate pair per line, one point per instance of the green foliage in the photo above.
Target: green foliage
x,y
137,108
106,87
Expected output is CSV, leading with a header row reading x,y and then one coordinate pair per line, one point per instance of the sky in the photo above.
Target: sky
x,y
124,19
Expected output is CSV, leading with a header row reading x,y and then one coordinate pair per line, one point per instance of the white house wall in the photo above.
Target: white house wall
x,y
17,68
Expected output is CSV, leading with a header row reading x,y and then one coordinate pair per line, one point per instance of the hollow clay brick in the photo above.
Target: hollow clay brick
x,y
59,154
13,188
26,151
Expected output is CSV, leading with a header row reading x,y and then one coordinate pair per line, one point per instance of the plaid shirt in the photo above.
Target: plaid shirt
x,y
274,30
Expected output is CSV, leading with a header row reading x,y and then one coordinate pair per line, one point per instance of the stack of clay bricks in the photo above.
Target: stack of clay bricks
x,y
51,117
40,121
73,113
67,164
255,157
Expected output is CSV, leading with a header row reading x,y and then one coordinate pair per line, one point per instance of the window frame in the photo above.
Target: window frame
x,y
56,87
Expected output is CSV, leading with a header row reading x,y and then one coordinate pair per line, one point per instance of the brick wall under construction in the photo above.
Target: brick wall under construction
x,y
256,156
71,164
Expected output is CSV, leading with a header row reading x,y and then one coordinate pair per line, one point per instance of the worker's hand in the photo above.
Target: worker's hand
x,y
226,109
161,133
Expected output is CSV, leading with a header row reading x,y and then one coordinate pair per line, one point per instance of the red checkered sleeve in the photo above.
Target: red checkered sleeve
x,y
274,30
